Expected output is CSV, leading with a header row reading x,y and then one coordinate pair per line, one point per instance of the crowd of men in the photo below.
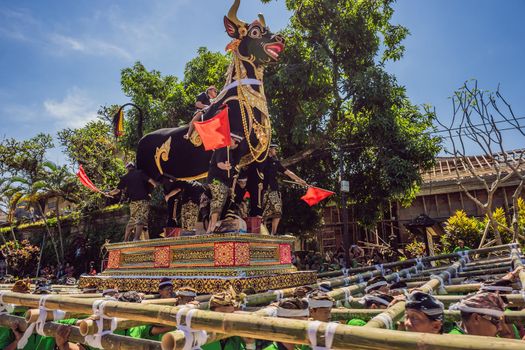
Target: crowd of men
x,y
222,195
481,313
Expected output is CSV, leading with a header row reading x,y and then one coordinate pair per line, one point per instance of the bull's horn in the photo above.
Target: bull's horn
x,y
261,19
232,14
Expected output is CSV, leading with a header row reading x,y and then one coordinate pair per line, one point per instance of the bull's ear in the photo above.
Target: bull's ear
x,y
231,28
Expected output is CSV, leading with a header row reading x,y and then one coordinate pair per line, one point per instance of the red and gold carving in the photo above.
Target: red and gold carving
x,y
162,257
242,254
224,254
114,259
285,254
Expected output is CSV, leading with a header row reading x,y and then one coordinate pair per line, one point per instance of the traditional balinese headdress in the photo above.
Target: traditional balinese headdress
x,y
318,299
22,286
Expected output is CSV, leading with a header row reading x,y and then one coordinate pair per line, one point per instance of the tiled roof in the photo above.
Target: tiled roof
x,y
448,168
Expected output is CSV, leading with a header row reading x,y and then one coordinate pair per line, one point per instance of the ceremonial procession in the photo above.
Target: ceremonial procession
x,y
285,189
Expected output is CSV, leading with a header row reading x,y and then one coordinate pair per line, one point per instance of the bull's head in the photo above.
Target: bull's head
x,y
255,39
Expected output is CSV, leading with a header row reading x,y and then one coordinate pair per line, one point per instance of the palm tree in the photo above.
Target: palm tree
x,y
24,190
61,184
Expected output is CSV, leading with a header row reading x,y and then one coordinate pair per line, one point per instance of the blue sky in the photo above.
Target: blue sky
x,y
60,60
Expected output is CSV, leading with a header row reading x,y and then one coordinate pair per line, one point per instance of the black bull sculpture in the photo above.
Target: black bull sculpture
x,y
165,152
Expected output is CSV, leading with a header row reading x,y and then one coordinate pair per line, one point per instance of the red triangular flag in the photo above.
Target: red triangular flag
x,y
215,132
314,195
84,179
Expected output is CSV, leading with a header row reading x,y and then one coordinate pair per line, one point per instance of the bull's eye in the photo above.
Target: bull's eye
x,y
255,33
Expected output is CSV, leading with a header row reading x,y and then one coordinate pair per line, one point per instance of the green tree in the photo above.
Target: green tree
x,y
166,100
208,68
24,158
94,147
330,90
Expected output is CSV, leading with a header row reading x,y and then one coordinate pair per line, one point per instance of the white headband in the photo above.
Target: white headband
x,y
374,285
89,289
166,283
314,303
282,312
376,299
185,293
484,311
110,290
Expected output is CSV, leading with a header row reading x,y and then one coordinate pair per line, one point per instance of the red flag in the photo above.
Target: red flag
x,y
215,132
314,195
84,179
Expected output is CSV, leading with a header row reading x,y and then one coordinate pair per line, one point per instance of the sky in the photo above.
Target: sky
x,y
61,60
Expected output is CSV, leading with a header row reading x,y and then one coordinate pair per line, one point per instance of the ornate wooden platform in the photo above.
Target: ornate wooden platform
x,y
208,263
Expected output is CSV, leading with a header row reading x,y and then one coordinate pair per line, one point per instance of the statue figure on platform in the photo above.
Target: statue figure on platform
x,y
167,153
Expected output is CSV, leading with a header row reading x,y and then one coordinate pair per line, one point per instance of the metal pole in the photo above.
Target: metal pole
x,y
344,216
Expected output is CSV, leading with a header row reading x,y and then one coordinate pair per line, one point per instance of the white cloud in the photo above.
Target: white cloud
x,y
75,110
88,46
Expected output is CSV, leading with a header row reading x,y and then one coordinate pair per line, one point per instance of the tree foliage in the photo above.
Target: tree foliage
x,y
94,147
462,227
166,100
24,158
330,90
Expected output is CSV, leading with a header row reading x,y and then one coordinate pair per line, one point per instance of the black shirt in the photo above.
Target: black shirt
x,y
240,193
204,99
192,191
271,167
136,183
215,173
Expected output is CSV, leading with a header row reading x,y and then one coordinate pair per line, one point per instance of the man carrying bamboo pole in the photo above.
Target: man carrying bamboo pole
x,y
185,295
481,314
226,302
424,313
165,288
375,300
293,308
320,305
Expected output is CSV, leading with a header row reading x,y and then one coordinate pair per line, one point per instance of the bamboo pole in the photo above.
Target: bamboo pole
x,y
341,314
516,262
396,311
109,341
176,339
32,315
514,300
423,259
90,327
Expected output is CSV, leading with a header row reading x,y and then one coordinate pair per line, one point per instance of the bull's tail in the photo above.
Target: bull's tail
x,y
118,121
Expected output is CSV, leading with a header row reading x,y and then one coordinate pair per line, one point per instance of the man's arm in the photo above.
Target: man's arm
x,y
62,337
171,194
294,177
200,105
